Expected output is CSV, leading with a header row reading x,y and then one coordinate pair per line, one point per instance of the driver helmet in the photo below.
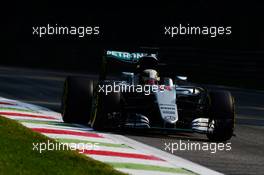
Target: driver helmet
x,y
150,76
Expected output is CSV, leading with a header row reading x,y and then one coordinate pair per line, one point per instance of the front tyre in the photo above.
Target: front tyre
x,y
107,106
222,116
77,100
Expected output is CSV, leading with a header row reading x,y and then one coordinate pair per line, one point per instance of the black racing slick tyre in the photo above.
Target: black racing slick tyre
x,y
222,116
77,100
106,106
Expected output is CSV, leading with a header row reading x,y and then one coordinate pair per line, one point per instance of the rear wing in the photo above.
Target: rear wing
x,y
121,61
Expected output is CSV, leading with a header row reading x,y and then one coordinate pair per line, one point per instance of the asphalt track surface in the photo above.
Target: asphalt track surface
x,y
44,88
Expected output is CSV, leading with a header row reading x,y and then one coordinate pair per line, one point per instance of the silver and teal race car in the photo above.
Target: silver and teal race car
x,y
130,94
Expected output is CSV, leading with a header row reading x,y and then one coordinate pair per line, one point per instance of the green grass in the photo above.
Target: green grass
x,y
18,157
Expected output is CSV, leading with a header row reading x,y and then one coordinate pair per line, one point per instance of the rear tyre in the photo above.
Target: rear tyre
x,y
222,116
77,100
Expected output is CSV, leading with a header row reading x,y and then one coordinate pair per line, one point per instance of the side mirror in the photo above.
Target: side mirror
x,y
181,78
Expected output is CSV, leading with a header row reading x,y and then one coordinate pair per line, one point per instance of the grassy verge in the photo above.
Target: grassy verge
x,y
18,157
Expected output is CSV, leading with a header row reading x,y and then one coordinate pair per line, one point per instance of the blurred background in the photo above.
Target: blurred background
x,y
234,60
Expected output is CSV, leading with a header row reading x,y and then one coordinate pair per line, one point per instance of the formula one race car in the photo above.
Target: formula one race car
x,y
133,96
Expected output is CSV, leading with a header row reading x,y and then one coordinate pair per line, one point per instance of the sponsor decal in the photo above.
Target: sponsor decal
x,y
126,56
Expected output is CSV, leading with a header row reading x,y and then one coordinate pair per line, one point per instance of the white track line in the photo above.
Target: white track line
x,y
29,118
